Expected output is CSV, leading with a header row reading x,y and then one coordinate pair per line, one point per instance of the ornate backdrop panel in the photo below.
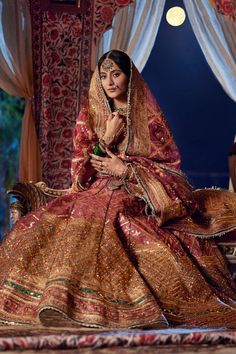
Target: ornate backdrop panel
x,y
63,43
226,8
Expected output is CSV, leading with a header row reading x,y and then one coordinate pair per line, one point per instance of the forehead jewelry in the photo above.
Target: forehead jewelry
x,y
107,64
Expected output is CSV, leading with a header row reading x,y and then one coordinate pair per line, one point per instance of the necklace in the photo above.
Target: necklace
x,y
121,110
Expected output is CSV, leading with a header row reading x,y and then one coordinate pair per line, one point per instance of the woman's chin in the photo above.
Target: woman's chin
x,y
112,95
117,96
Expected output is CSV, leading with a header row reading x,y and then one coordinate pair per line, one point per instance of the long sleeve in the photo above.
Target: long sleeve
x,y
83,141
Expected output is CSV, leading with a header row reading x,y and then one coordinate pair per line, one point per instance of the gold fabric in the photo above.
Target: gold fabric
x,y
216,214
95,257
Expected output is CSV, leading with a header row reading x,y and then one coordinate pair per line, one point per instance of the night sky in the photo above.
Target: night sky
x,y
201,115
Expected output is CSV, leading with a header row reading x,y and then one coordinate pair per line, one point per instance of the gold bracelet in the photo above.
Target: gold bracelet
x,y
130,173
109,137
124,174
102,146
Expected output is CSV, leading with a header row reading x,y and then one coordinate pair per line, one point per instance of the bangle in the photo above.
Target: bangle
x,y
124,173
105,146
109,138
128,174
102,145
98,151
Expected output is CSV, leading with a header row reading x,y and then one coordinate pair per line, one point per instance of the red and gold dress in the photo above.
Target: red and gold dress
x,y
122,254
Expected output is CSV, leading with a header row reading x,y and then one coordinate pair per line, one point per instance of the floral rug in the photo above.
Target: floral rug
x,y
52,339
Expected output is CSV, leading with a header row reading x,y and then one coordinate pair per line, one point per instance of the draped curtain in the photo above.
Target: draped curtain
x,y
214,25
16,78
135,27
134,30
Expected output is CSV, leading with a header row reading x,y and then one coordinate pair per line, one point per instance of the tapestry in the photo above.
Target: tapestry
x,y
62,49
226,8
104,12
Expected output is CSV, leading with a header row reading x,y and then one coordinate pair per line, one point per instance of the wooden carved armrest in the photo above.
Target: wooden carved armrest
x,y
227,244
30,196
232,170
229,251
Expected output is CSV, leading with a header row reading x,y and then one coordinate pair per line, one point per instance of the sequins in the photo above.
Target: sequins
x,y
22,290
94,267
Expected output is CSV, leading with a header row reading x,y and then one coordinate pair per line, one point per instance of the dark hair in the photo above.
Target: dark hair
x,y
120,58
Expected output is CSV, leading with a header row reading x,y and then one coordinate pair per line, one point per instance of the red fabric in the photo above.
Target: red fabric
x,y
226,8
103,15
62,46
90,254
149,147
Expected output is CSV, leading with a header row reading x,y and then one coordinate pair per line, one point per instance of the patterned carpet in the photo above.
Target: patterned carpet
x,y
18,339
141,350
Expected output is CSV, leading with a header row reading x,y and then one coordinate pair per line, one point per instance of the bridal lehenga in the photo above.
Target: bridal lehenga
x,y
113,253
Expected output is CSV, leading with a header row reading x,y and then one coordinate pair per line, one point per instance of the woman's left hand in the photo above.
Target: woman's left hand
x,y
111,165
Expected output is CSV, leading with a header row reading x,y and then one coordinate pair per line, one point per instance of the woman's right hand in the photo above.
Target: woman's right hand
x,y
114,126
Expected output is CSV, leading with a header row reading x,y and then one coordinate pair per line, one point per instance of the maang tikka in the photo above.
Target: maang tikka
x,y
107,64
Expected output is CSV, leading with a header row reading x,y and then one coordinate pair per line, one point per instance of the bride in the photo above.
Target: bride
x,y
120,250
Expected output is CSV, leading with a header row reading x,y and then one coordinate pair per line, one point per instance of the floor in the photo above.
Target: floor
x,y
158,350
54,340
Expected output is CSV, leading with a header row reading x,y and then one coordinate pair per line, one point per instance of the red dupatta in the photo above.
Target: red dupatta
x,y
148,147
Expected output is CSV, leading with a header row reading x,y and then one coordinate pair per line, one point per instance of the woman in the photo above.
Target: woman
x,y
113,252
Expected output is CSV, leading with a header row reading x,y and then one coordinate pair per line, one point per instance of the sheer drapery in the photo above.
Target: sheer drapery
x,y
134,30
16,78
135,27
216,34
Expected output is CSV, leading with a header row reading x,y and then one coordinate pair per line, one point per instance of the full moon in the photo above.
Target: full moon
x,y
175,16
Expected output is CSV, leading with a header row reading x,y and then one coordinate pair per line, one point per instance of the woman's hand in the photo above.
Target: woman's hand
x,y
114,126
111,165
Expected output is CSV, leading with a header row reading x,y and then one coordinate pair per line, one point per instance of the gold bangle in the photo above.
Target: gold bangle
x,y
110,138
123,176
129,173
102,146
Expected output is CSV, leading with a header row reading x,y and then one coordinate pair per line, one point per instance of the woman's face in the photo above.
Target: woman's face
x,y
114,81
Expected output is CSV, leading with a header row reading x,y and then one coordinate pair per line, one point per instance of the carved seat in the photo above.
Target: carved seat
x,y
30,196
232,167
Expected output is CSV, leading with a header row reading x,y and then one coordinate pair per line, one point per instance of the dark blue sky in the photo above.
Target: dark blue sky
x,y
201,115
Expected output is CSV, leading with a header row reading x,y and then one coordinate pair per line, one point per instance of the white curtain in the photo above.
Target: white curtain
x,y
16,78
216,35
134,31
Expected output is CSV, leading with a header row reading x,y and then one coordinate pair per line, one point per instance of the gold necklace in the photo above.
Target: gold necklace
x,y
122,110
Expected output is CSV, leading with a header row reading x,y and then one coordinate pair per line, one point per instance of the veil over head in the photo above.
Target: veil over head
x,y
148,146
149,149
148,134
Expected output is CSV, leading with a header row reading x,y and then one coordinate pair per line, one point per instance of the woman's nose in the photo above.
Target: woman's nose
x,y
110,81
